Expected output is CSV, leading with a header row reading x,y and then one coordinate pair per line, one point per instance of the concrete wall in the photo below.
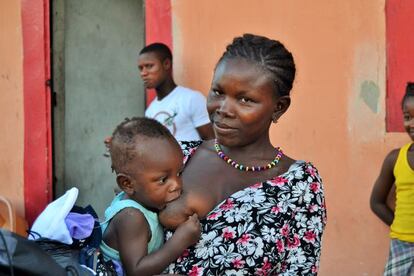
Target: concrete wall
x,y
101,88
11,104
337,117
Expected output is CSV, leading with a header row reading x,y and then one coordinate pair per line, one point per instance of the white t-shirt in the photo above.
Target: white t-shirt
x,y
181,111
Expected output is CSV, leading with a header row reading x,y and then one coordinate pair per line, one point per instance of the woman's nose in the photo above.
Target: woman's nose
x,y
225,108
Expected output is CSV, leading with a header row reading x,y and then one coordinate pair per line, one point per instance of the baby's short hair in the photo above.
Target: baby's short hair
x,y
122,147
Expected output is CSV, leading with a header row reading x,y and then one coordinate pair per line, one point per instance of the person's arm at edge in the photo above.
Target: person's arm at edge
x,y
382,187
132,232
206,131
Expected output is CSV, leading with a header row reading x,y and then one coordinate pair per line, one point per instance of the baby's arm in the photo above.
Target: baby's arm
x,y
382,187
176,212
133,235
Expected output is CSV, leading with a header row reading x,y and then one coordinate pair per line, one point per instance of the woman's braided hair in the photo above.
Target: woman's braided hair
x,y
270,54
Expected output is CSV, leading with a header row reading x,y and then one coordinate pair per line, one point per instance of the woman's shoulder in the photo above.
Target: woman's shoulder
x,y
305,167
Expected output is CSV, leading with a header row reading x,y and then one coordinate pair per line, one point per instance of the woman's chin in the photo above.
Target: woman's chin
x,y
227,140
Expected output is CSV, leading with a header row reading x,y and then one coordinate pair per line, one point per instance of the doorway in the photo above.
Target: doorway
x,y
95,45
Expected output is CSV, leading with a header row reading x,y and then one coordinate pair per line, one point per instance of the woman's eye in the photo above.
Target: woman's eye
x,y
407,118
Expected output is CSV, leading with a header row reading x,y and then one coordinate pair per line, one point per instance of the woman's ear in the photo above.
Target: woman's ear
x,y
281,105
125,183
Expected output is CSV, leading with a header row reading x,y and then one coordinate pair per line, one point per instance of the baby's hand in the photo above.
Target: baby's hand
x,y
189,231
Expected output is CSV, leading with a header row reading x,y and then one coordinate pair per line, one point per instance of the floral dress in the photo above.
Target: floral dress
x,y
270,228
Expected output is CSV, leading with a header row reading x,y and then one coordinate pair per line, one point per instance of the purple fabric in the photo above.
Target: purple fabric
x,y
118,268
80,226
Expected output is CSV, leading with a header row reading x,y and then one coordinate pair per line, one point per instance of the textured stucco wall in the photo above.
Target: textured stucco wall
x,y
11,104
337,117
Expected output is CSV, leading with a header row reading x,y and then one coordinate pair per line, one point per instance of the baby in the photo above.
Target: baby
x,y
148,162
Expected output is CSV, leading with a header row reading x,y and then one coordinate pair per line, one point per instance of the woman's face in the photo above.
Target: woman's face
x,y
242,102
408,115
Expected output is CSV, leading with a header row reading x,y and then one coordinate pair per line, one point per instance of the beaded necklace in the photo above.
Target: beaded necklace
x,y
241,167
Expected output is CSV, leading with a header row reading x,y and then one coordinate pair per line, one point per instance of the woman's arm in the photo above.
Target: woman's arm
x,y
382,187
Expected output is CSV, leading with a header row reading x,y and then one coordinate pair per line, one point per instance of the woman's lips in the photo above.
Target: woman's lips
x,y
223,128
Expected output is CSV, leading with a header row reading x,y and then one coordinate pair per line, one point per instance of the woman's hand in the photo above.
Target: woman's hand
x,y
189,232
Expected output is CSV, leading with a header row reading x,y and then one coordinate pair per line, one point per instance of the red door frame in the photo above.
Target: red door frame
x,y
37,110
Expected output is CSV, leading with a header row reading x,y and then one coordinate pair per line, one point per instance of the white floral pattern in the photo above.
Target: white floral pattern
x,y
270,228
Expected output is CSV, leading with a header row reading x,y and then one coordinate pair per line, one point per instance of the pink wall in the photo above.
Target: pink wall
x,y
337,117
11,104
25,160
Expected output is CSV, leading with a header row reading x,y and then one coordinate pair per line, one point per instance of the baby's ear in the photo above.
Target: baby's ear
x,y
124,183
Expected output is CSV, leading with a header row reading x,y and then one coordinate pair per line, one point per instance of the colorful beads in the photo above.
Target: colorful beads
x,y
241,167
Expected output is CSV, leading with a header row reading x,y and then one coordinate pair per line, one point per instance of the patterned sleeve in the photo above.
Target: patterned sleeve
x,y
188,147
301,236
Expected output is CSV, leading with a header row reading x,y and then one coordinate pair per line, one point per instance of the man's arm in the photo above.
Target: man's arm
x,y
382,187
206,131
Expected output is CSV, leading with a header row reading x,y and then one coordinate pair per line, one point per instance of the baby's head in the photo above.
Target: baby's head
x,y
147,161
408,109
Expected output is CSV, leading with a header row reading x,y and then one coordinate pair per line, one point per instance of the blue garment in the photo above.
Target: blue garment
x,y
118,204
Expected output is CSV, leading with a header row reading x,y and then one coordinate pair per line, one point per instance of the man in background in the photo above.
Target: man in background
x,y
182,110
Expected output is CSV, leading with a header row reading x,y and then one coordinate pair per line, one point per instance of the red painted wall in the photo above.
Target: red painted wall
x,y
157,28
37,109
400,57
